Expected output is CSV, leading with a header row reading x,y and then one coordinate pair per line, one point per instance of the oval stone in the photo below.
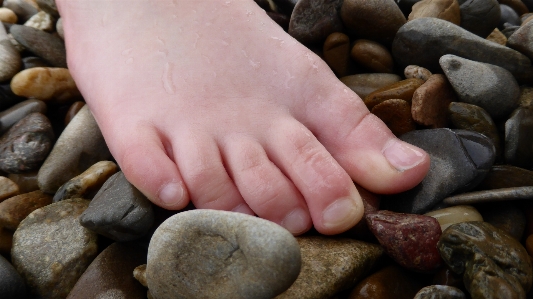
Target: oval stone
x,y
218,254
519,138
396,114
11,284
45,84
313,20
403,90
456,214
372,55
390,282
336,52
45,45
7,16
506,176
14,114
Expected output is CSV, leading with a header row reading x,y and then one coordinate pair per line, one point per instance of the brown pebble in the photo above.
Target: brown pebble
x,y
390,282
364,84
498,37
396,114
45,84
442,9
403,90
372,55
6,241
431,100
26,181
16,208
8,188
7,16
415,71
140,274
336,52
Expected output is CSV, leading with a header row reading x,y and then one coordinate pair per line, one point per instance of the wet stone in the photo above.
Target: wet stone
x,y
456,214
46,84
505,216
218,254
522,40
513,193
402,90
415,71
26,144
488,86
506,176
15,209
472,11
443,9
396,114
364,84
493,264
408,239
508,15
8,188
12,286
45,45
313,20
11,116
519,138
336,52
440,292
431,100
51,250
119,211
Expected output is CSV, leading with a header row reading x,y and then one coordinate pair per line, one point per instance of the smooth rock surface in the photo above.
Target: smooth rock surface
x,y
508,16
447,10
456,214
402,90
480,16
372,55
10,62
431,100
390,282
23,8
218,254
26,182
119,211
336,52
45,84
45,45
440,292
15,209
519,138
17,112
364,84
12,286
7,16
522,40
513,193
396,114
313,20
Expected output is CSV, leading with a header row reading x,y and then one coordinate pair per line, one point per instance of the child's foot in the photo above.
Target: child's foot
x,y
211,101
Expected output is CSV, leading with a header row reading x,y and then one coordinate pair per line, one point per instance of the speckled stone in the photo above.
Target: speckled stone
x,y
15,209
493,264
119,211
313,20
8,188
456,214
472,11
396,114
390,282
431,100
519,138
364,84
12,286
51,250
440,292
45,45
331,265
218,254
17,112
26,144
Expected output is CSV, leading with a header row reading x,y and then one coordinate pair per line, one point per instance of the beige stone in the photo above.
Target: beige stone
x,y
455,214
45,84
8,188
59,28
447,10
41,21
8,16
415,71
498,37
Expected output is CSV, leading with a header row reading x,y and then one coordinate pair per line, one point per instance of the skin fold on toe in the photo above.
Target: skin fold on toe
x,y
210,101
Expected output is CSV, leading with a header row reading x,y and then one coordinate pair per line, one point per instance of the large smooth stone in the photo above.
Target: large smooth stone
x,y
424,41
519,138
479,16
390,282
79,147
488,86
119,211
110,275
313,20
330,266
12,286
372,55
493,264
218,254
45,45
51,250
364,84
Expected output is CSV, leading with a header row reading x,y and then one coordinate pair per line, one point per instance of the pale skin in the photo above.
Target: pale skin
x,y
210,101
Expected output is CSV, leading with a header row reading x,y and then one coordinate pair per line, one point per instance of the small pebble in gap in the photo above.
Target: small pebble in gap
x,y
408,239
415,71
396,114
372,55
336,53
364,84
45,45
517,5
402,90
472,11
33,61
519,138
41,21
431,100
440,292
140,274
15,209
8,188
12,286
447,10
456,214
59,28
219,254
313,20
498,37
46,84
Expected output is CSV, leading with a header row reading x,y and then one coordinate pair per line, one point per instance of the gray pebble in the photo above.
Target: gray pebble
x,y
479,16
45,45
15,113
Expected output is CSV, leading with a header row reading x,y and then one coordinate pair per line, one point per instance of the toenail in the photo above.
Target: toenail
x,y
402,155
242,208
296,221
171,194
340,213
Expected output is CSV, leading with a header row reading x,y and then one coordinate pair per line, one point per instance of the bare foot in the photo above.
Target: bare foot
x,y
211,101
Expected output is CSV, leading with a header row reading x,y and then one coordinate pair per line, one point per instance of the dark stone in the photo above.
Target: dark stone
x,y
505,216
12,286
479,16
502,194
508,15
482,152
119,211
49,6
440,292
14,114
313,20
281,19
390,282
519,138
509,30
27,144
33,61
409,239
522,40
506,176
23,9
529,4
286,6
7,97
45,45
406,5
493,264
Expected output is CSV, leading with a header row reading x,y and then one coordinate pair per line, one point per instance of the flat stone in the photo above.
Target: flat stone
x,y
119,211
313,20
218,254
408,239
447,10
472,11
488,86
45,45
455,214
80,145
372,55
519,138
51,250
11,116
390,282
364,84
424,41
110,274
522,40
377,20
431,100
336,52
402,90
506,176
415,71
493,264
440,292
10,63
12,286
331,265
26,144
396,114
8,188
46,84
493,195
15,209
505,216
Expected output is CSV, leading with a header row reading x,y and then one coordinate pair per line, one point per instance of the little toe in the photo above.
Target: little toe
x,y
266,190
331,196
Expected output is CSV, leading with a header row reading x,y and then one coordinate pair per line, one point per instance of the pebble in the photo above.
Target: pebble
x,y
513,193
26,144
440,292
8,188
79,147
519,138
517,5
455,214
88,182
390,282
493,264
431,100
526,96
472,11
402,90
46,84
508,16
27,181
377,20
447,10
140,274
396,114
415,71
118,211
10,63
51,250
522,40
506,176
364,84
16,113
45,45
498,37
49,6
313,20
331,265
336,52
110,274
372,55
408,239
15,209
488,86
73,110
218,254
59,28
12,286
505,216
434,38
41,21
7,16
23,9
7,97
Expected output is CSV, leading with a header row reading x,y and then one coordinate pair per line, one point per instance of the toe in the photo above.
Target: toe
x,y
331,196
266,190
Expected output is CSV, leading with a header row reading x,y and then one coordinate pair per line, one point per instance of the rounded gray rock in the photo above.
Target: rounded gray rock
x,y
479,16
218,254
